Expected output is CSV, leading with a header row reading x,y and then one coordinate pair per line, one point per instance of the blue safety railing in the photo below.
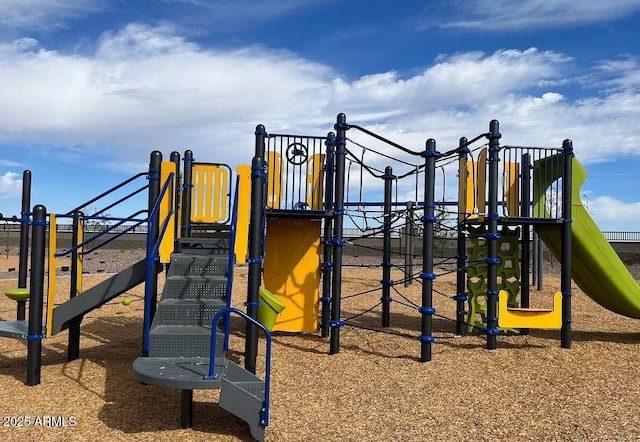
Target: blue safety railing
x,y
232,256
264,418
153,255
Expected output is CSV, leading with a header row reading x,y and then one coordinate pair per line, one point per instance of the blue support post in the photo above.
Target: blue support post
x,y
187,185
461,258
338,216
565,262
36,296
153,231
256,237
73,343
327,247
427,275
386,248
24,240
492,236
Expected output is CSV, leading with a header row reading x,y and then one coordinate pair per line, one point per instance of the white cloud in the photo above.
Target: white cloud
x,y
148,88
10,185
499,15
613,213
29,14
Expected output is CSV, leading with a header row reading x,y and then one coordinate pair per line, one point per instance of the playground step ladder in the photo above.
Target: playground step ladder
x,y
180,336
195,290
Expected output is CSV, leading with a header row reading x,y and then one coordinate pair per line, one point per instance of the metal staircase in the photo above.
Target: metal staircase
x,y
195,291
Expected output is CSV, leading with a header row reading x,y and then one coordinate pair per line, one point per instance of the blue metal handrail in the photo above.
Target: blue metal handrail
x,y
232,256
107,192
152,257
104,232
267,375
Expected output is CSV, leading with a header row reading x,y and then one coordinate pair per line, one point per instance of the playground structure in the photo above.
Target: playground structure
x,y
296,196
505,193
190,223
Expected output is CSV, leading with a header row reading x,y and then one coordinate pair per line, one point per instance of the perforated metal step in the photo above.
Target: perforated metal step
x,y
188,311
183,340
194,287
183,264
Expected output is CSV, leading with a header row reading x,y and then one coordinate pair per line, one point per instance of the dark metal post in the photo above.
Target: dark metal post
x,y
386,247
24,240
525,212
256,238
461,257
338,203
175,159
565,272
327,247
36,297
427,310
153,231
187,185
186,408
73,346
492,236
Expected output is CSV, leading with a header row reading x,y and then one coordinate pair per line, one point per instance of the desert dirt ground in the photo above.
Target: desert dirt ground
x,y
375,389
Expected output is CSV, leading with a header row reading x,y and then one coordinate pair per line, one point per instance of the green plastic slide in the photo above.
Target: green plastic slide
x,y
596,267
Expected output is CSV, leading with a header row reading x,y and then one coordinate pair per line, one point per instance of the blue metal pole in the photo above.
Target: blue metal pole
x,y
565,272
492,235
338,203
36,296
427,275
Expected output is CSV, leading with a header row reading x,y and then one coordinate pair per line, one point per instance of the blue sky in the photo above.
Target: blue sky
x,y
89,87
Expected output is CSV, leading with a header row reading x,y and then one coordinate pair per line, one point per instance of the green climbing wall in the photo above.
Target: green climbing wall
x,y
508,271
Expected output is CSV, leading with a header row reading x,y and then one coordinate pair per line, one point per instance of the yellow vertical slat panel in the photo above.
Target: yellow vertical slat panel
x,y
244,208
221,199
208,195
463,182
315,188
512,188
274,180
51,289
481,184
167,211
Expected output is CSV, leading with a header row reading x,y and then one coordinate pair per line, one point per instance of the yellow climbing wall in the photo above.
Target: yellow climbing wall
x,y
292,271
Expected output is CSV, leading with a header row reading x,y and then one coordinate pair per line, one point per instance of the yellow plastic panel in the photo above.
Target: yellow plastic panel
x,y
315,175
481,183
166,208
512,188
244,208
51,290
475,186
292,271
274,180
208,195
527,317
463,192
80,257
